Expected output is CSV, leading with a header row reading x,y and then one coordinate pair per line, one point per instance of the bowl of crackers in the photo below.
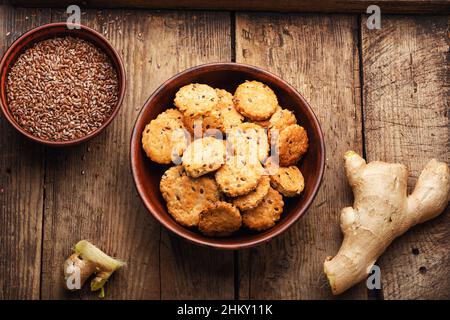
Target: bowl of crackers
x,y
227,155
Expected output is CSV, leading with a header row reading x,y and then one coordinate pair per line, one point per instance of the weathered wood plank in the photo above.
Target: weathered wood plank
x,y
406,112
21,184
89,188
192,38
319,56
345,6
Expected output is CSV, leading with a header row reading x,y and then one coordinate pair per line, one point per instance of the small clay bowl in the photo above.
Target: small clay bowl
x,y
147,174
52,30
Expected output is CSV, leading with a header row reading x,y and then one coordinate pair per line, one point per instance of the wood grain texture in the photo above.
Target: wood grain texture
x,y
51,198
406,113
358,6
192,38
89,191
319,56
21,184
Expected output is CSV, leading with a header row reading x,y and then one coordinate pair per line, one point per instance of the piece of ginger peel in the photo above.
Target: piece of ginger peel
x,y
89,259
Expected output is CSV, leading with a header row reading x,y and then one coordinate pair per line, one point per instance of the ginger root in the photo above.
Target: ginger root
x,y
381,212
88,259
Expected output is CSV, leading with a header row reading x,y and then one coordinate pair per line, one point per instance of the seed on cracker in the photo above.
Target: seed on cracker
x,y
266,214
281,119
186,197
292,144
196,99
249,140
253,198
164,138
238,176
288,181
222,117
219,219
255,100
203,156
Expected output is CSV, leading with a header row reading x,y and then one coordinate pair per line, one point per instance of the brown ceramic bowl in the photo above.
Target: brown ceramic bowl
x,y
49,31
147,174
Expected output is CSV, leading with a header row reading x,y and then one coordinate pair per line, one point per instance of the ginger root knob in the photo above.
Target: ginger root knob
x,y
381,212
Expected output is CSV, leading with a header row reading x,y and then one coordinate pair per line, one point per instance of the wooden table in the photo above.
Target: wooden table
x,y
384,93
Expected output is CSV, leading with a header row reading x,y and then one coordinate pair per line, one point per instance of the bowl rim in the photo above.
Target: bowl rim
x,y
135,148
116,61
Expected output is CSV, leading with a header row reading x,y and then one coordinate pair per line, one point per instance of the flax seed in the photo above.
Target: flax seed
x,y
62,89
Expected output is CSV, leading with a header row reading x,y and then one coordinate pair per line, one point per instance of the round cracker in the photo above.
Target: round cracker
x,y
219,219
281,119
196,99
255,100
238,176
264,123
228,113
197,125
164,139
266,214
253,198
222,117
293,144
288,181
203,156
187,197
250,141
